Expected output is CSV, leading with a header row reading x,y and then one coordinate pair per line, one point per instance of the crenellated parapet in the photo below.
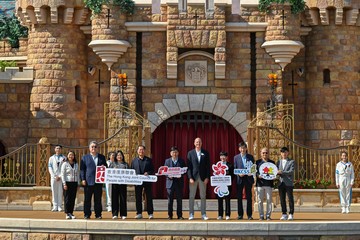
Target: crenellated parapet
x,y
52,12
345,11
17,75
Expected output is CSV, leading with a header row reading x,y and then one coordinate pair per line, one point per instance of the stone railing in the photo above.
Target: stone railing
x,y
15,75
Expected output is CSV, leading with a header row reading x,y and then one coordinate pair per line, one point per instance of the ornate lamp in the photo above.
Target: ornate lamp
x,y
273,81
123,83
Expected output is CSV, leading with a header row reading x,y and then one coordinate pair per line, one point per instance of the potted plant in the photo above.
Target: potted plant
x,y
297,6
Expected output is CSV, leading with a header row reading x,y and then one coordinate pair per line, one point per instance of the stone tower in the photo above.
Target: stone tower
x,y
332,73
57,51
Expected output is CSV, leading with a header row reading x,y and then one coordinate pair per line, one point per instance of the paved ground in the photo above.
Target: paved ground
x,y
162,215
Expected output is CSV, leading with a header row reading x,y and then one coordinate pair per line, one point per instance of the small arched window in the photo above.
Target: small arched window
x,y
326,76
77,93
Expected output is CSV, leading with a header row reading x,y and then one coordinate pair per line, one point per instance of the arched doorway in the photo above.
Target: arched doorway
x,y
181,130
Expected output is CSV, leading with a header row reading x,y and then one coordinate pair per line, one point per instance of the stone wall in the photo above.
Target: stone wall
x,y
7,51
14,114
332,109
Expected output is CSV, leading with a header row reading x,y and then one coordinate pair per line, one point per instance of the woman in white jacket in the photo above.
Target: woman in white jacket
x,y
70,179
344,176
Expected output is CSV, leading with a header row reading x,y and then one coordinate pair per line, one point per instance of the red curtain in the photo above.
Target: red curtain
x,y
217,135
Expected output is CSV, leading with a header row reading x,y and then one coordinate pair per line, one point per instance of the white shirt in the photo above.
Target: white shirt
x,y
283,163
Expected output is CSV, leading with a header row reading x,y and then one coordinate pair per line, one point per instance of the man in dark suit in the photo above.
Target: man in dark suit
x,y
88,165
286,170
199,174
175,185
244,161
143,165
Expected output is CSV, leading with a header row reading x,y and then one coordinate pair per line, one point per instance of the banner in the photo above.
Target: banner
x,y
121,176
220,180
174,172
268,171
251,169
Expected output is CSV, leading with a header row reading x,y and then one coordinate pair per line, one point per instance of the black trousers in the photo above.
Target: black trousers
x,y
118,199
178,192
89,191
149,200
221,205
283,191
239,193
69,196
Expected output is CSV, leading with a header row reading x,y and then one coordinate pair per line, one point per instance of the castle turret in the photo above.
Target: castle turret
x,y
57,51
332,73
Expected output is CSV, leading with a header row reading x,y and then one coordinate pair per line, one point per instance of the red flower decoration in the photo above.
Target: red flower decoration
x,y
219,168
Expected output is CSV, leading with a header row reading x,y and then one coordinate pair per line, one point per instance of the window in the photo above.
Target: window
x,y
182,6
77,93
326,76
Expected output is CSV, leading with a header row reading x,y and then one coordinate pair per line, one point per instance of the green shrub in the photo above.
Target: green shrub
x,y
12,30
4,64
8,182
126,6
297,6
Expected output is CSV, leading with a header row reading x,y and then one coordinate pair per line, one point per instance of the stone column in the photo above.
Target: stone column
x,y
58,97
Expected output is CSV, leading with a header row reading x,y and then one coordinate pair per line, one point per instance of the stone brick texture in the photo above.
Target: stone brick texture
x,y
326,114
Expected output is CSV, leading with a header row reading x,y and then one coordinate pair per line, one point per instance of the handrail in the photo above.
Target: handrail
x,y
302,145
16,150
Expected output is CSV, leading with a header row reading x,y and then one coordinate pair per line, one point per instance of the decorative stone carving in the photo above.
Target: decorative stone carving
x,y
196,73
282,51
109,50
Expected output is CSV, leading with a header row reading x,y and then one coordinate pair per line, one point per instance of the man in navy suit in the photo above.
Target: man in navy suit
x,y
88,165
175,185
243,161
143,165
199,174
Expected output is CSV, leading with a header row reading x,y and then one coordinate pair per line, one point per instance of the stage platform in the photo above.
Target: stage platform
x,y
305,224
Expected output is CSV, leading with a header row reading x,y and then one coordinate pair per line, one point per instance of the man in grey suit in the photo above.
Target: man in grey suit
x,y
286,170
199,174
175,185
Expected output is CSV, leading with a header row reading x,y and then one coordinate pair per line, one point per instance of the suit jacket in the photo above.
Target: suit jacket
x,y
147,167
238,164
198,169
88,168
287,175
178,182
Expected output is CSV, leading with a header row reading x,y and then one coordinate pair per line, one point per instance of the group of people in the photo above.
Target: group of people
x,y
65,176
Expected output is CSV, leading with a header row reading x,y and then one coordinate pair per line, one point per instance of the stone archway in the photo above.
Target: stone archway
x,y
209,103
